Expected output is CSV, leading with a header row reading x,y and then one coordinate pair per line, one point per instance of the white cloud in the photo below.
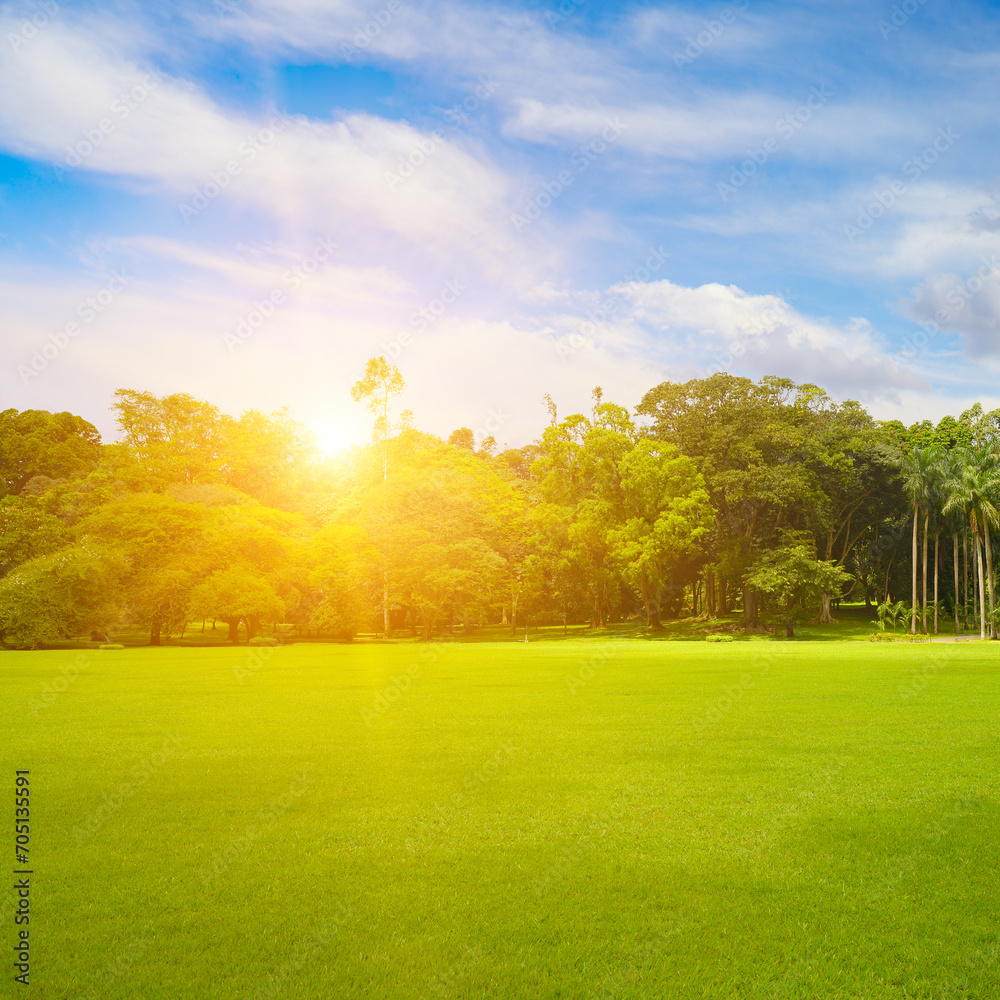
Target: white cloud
x,y
365,178
969,306
718,327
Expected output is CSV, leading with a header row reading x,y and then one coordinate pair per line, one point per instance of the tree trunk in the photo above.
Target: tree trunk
x,y
386,613
937,538
723,595
154,634
651,607
598,621
789,630
751,618
982,587
710,593
234,629
989,580
923,604
913,603
965,576
954,539
825,618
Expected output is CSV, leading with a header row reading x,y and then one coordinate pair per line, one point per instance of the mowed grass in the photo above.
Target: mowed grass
x,y
603,818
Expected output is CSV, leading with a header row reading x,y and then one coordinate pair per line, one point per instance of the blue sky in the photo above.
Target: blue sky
x,y
245,200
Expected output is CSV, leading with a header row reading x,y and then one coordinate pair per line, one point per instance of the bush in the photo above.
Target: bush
x,y
264,640
111,645
719,638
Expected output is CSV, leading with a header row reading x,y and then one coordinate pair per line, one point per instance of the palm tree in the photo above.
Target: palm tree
x,y
973,491
920,471
950,471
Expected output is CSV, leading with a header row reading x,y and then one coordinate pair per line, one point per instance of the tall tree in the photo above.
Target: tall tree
x,y
974,491
381,383
919,471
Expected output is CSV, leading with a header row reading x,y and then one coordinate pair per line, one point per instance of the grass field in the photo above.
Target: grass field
x,y
583,818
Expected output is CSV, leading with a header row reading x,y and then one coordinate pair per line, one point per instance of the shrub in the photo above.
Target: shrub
x,y
111,645
719,638
264,640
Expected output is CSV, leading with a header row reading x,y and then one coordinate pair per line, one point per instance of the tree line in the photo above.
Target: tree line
x,y
712,497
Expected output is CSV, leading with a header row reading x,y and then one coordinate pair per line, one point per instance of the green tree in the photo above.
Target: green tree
x,y
381,383
794,578
158,537
61,595
267,455
664,512
974,491
343,579
751,443
172,438
27,530
920,471
39,443
237,594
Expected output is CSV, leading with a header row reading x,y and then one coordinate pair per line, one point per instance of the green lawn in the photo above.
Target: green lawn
x,y
604,818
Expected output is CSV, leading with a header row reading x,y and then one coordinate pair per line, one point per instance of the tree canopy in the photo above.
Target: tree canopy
x,y
714,495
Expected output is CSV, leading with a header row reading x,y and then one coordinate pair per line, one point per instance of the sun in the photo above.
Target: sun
x,y
335,434
333,437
